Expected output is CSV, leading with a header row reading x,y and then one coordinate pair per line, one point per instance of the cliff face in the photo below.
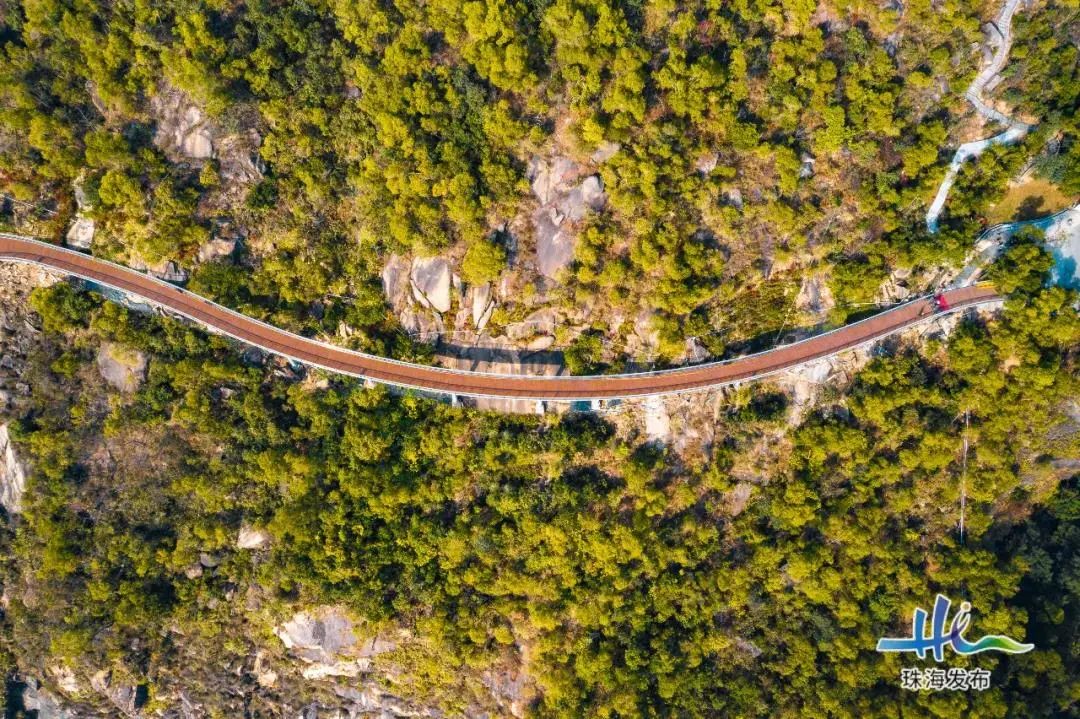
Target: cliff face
x,y
12,475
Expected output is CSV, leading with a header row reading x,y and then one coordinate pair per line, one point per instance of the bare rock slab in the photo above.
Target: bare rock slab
x,y
431,282
122,367
252,538
12,475
395,282
81,233
563,201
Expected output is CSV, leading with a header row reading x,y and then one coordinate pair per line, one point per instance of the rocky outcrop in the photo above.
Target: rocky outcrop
x,y
220,247
80,235
122,367
170,271
185,132
238,158
318,636
706,163
482,306
252,538
42,703
395,282
430,279
605,151
657,421
815,298
563,201
541,323
325,640
182,127
12,475
125,697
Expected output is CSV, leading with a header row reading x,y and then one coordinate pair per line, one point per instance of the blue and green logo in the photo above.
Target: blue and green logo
x,y
938,638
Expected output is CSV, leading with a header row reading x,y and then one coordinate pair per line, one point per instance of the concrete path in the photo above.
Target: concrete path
x,y
1015,130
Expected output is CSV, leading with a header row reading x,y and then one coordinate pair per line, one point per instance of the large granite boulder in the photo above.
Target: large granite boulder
x,y
80,235
555,245
42,704
170,271
122,367
431,282
326,641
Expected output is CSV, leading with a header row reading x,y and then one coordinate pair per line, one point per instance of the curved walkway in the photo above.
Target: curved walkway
x,y
481,384
1014,131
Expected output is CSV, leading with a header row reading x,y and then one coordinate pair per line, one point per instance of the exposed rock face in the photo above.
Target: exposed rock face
x,y
80,235
326,641
65,678
252,538
121,367
18,332
12,475
37,699
482,306
511,689
549,181
644,342
562,201
182,127
657,421
395,282
217,248
238,156
894,288
541,322
707,163
374,702
431,283
588,195
815,298
124,697
319,636
738,497
554,247
170,271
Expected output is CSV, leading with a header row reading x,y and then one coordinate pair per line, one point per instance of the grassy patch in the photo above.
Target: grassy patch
x,y
1029,200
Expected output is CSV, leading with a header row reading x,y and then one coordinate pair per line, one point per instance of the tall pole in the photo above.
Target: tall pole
x,y
963,474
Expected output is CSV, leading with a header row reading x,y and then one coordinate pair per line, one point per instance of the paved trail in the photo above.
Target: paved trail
x,y
460,382
1014,131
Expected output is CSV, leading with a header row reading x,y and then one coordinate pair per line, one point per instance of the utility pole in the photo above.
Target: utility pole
x,y
963,474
